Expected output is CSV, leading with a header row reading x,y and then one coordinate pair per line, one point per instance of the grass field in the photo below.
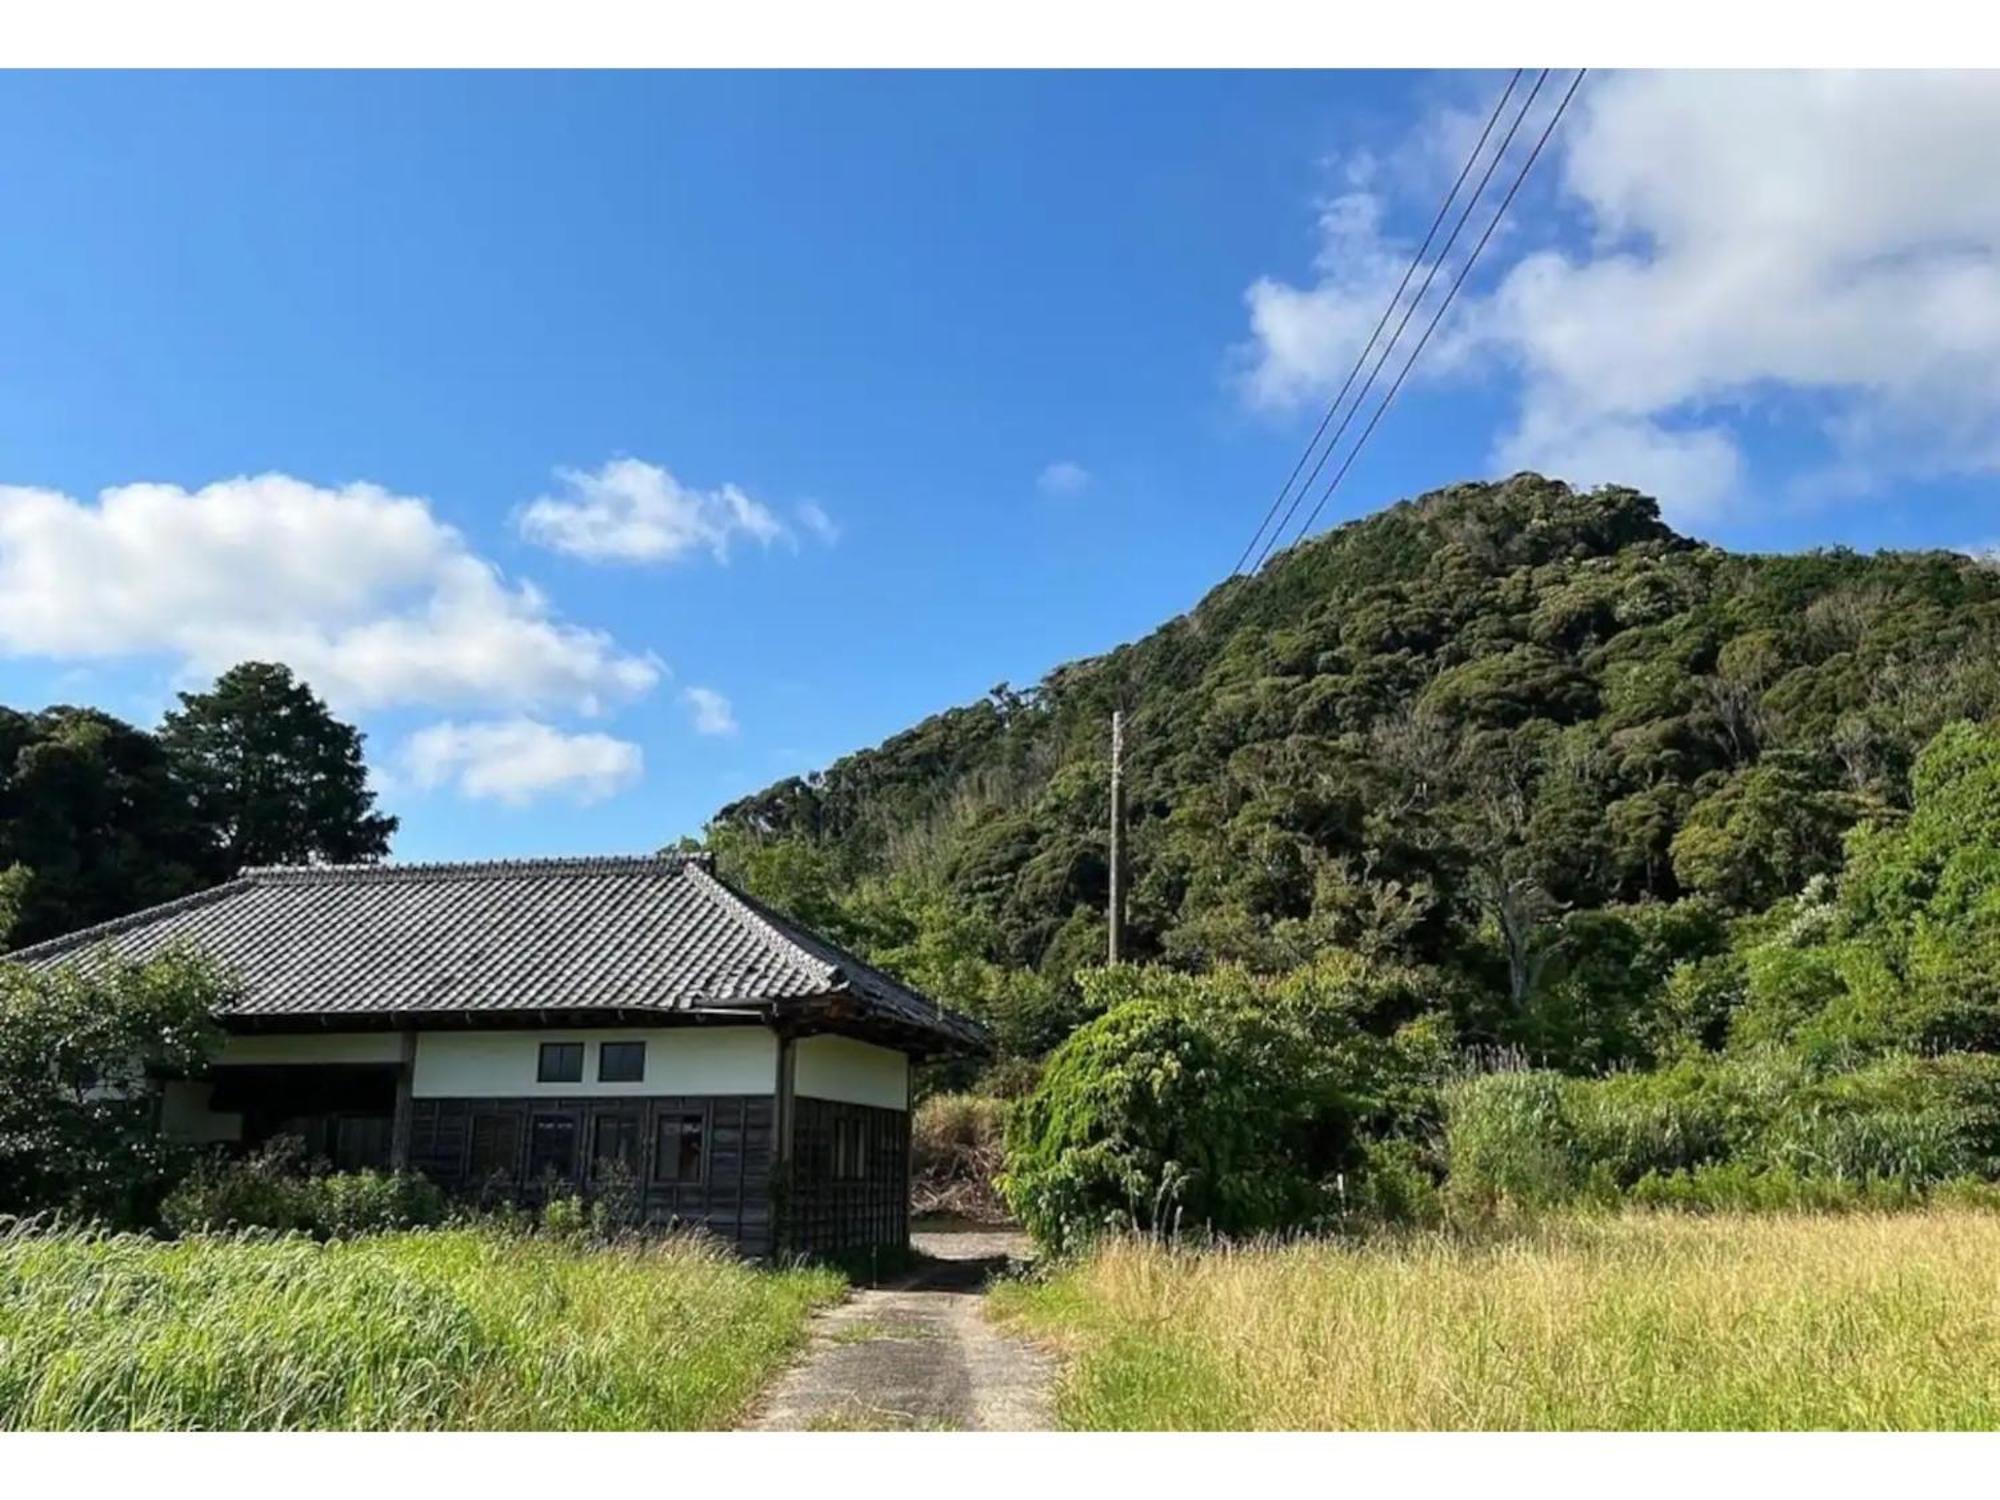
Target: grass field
x,y
434,1330
1633,1322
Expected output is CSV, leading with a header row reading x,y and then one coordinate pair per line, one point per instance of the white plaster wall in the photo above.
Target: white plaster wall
x,y
185,1115
314,1047
679,1060
852,1072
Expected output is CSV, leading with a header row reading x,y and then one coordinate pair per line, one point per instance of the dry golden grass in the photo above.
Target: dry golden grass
x,y
1634,1322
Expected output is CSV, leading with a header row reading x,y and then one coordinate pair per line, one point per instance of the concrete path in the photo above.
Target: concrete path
x,y
918,1353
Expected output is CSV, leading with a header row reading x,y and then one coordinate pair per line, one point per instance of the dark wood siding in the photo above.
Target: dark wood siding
x,y
731,1196
850,1179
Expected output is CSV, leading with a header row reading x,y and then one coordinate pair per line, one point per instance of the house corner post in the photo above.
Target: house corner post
x,y
784,1114
401,1126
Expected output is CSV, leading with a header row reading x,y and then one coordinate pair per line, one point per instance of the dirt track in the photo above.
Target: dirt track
x,y
918,1353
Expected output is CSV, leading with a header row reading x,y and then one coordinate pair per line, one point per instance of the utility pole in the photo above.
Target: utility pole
x,y
1116,946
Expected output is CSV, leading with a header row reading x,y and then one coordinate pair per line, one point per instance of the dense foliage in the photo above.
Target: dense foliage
x,y
1901,1123
1221,1102
1529,740
98,818
77,1128
273,1188
1563,793
276,779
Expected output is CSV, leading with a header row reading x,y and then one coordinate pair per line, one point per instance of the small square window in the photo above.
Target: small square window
x,y
621,1062
561,1062
678,1158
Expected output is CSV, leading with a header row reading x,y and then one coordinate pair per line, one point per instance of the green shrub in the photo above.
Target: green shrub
x,y
1508,1136
1738,1187
1190,1103
1772,1124
341,1205
271,1190
77,1130
566,1216
1396,1185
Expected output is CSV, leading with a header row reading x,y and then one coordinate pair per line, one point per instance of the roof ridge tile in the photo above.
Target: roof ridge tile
x,y
764,928
475,869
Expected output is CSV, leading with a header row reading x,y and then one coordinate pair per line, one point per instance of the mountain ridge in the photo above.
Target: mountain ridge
x,y
1312,743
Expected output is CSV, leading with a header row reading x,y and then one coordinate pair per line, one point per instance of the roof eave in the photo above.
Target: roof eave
x,y
845,1011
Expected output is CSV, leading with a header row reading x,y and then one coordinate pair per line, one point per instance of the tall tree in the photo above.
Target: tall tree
x,y
93,822
273,773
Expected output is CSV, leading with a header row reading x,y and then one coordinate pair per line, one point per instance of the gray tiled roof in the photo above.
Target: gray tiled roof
x,y
639,934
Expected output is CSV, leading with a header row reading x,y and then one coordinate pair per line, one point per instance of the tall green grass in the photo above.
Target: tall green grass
x,y
1748,1131
1637,1321
444,1329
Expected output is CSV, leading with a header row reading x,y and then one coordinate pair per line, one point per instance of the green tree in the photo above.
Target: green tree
x,y
1188,1104
79,1050
1444,735
93,822
1919,933
1762,835
276,776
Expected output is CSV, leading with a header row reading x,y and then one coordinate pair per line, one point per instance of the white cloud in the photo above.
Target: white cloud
x,y
1825,236
713,713
813,516
632,511
518,761
365,593
1064,477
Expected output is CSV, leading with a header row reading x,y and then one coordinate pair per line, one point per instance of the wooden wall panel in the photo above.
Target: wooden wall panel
x,y
732,1196
850,1185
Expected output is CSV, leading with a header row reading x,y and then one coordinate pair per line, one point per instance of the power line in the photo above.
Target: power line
x,y
1409,312
1381,323
1444,306
1114,913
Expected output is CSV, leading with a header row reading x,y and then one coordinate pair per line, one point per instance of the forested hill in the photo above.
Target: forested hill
x,y
1439,734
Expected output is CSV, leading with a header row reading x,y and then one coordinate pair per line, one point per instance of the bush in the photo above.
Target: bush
x,y
77,1129
271,1190
1508,1136
957,1149
1731,1131
1737,1187
1188,1103
1396,1185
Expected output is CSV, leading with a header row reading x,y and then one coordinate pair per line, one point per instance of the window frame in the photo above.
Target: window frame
x,y
661,1157
623,1121
537,1170
543,1053
850,1148
509,1128
605,1050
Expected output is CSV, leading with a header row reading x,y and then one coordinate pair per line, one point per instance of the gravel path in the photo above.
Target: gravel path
x,y
919,1353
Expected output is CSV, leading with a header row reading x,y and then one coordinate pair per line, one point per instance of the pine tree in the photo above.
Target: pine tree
x,y
273,773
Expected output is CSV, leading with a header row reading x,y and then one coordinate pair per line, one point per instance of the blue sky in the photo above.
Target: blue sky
x,y
845,397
